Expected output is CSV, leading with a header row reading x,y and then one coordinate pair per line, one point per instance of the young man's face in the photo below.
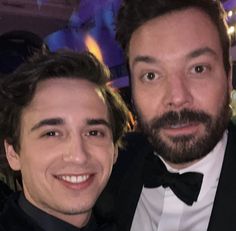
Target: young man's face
x,y
180,88
66,148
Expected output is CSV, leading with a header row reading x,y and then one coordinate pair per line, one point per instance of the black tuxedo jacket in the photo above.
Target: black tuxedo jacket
x,y
126,184
13,218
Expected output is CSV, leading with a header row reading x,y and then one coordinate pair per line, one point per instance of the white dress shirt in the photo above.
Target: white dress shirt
x,y
159,209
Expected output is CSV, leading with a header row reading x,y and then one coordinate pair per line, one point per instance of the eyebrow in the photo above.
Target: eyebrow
x,y
201,51
60,121
193,54
143,59
48,122
98,122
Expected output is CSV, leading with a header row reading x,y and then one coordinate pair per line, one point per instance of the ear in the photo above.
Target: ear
x,y
13,158
115,154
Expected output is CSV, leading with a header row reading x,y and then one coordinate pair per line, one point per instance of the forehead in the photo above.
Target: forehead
x,y
64,97
175,33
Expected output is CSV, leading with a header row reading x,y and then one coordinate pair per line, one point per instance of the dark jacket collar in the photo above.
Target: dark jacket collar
x,y
224,209
27,217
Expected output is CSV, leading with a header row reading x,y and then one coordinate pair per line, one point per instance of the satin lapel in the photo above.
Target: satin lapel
x,y
223,215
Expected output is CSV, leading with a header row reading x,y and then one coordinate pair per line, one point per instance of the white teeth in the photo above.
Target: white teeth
x,y
178,126
75,179
175,126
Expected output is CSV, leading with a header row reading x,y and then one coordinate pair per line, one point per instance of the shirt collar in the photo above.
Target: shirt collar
x,y
49,222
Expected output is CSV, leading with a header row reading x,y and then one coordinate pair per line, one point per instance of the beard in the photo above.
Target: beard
x,y
186,148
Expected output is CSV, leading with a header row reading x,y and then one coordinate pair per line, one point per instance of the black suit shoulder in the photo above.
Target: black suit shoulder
x,y
5,192
12,217
224,209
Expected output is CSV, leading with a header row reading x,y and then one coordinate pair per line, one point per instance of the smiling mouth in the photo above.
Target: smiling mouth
x,y
74,179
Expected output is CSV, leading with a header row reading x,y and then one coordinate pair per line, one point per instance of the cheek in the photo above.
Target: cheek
x,y
140,96
104,161
32,172
37,160
105,157
32,167
212,99
147,105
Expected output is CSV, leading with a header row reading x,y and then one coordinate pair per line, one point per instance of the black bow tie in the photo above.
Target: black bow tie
x,y
186,186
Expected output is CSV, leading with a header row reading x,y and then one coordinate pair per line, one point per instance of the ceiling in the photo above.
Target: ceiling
x,y
40,17
43,16
61,23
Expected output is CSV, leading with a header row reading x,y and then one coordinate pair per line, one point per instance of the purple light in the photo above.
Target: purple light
x,y
40,3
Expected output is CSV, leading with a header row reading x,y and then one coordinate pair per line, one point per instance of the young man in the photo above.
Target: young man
x,y
178,55
61,124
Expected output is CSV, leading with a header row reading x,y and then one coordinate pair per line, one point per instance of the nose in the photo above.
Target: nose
x,y
178,92
75,151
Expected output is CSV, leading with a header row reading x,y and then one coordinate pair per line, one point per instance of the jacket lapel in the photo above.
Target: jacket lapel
x,y
223,215
131,188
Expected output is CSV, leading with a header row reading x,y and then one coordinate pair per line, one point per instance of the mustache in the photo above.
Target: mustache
x,y
184,116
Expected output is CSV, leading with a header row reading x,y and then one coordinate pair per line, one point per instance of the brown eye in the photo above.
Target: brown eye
x,y
95,133
101,136
199,69
51,134
150,76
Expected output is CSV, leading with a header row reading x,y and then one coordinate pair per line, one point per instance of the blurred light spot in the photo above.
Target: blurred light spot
x,y
93,47
230,13
231,30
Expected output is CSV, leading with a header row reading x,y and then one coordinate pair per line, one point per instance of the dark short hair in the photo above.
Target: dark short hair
x,y
134,13
17,90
